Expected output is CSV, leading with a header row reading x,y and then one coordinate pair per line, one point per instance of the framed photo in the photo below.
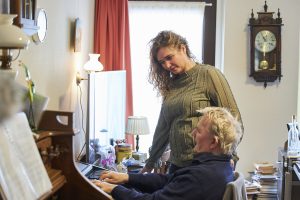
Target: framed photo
x,y
78,35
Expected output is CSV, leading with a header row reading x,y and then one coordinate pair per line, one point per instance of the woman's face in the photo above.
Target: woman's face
x,y
172,59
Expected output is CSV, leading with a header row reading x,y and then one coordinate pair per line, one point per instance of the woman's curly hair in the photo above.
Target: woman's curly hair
x,y
158,76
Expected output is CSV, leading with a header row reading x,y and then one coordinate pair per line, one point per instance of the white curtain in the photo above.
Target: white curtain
x,y
146,19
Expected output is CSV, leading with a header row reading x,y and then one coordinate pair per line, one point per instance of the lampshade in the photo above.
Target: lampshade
x,y
93,65
137,125
11,36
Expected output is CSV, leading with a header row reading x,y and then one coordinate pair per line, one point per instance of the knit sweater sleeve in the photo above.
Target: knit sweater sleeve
x,y
160,140
221,94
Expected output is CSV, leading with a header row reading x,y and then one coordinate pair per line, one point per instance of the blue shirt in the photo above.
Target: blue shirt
x,y
205,179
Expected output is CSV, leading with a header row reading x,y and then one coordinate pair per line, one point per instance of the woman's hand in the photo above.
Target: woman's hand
x,y
106,187
146,169
114,177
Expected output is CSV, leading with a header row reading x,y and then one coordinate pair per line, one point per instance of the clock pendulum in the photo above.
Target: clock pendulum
x,y
264,63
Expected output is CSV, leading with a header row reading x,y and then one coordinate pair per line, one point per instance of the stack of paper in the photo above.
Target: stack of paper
x,y
266,176
252,188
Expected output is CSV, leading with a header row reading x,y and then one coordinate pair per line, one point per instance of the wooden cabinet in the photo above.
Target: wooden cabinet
x,y
288,181
26,11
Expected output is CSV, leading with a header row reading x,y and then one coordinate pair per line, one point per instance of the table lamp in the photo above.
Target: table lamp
x,y
11,37
137,125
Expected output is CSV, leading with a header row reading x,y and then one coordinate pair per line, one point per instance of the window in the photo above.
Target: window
x,y
209,27
147,18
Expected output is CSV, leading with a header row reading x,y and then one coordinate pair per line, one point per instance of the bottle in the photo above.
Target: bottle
x,y
293,139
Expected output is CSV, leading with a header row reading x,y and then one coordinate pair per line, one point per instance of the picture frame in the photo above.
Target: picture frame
x,y
4,7
77,35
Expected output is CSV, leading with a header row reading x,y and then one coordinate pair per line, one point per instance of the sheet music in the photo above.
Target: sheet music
x,y
22,173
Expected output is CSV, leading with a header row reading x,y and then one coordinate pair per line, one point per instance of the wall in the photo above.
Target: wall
x,y
265,111
53,63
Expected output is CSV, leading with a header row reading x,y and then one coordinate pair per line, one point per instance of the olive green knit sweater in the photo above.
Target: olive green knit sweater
x,y
200,87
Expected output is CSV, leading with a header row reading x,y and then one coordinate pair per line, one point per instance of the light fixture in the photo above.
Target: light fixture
x,y
137,125
92,66
11,37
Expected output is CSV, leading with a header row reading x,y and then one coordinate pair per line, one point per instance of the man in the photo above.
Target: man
x,y
216,136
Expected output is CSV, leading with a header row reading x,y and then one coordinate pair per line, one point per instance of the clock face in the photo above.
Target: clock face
x,y
265,41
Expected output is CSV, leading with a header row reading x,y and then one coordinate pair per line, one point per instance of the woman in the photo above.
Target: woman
x,y
185,86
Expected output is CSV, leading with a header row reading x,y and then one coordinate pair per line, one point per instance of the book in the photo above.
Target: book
x,y
265,168
22,172
263,165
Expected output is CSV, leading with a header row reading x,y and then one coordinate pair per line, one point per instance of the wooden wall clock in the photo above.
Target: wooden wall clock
x,y
265,46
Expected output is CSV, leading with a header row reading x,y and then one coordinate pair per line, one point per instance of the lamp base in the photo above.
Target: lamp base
x,y
5,59
137,143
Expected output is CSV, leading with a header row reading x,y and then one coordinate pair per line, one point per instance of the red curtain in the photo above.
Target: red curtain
x,y
111,40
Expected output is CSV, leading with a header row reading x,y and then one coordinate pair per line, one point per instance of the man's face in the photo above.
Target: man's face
x,y
202,136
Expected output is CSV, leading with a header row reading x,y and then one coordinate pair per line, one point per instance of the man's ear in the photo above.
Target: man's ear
x,y
214,142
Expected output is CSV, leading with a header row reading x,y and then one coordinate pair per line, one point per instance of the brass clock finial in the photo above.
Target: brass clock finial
x,y
278,19
266,6
252,14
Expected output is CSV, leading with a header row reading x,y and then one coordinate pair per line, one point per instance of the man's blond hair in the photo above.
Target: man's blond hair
x,y
223,125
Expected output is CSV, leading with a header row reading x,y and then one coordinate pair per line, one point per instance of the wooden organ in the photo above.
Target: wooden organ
x,y
55,143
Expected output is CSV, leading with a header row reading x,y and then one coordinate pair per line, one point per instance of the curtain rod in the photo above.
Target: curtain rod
x,y
206,4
